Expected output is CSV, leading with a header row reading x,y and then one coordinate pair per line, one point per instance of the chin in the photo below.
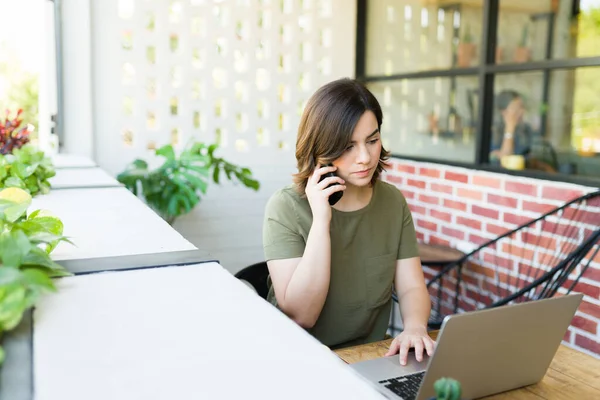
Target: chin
x,y
361,182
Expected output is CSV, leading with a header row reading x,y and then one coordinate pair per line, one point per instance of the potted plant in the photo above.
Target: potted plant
x,y
523,52
22,165
174,188
466,49
26,268
499,52
11,137
447,389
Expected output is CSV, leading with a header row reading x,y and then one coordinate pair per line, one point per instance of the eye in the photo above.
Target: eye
x,y
349,148
374,141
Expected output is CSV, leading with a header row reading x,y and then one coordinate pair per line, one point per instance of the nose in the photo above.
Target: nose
x,y
364,157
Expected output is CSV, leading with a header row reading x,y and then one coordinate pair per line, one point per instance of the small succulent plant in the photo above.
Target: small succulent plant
x,y
447,389
11,137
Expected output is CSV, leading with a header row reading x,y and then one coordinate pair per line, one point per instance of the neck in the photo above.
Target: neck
x,y
354,198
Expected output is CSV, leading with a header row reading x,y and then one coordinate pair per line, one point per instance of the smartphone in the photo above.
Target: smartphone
x,y
335,197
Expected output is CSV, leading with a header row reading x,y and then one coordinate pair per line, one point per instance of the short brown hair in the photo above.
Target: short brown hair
x,y
327,124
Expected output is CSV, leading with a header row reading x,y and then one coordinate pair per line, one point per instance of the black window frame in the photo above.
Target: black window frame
x,y
486,72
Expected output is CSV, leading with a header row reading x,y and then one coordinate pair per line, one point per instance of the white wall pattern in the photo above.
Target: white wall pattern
x,y
236,72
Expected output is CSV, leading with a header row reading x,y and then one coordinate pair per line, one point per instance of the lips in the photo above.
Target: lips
x,y
363,172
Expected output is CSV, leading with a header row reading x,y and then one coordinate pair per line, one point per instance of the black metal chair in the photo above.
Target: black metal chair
x,y
531,262
256,275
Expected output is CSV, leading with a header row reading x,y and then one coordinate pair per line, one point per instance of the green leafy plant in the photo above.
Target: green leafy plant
x,y
175,188
26,268
524,36
467,36
26,168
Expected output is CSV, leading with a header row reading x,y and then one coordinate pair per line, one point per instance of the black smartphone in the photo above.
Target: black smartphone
x,y
335,197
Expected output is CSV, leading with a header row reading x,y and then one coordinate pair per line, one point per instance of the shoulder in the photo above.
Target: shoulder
x,y
284,200
390,193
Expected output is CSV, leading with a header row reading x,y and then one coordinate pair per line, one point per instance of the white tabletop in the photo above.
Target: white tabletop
x,y
62,160
86,177
191,332
108,222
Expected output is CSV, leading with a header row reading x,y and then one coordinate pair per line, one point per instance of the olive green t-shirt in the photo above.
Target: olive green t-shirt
x,y
365,245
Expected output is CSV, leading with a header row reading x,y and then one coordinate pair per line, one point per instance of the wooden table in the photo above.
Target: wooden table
x,y
434,255
572,374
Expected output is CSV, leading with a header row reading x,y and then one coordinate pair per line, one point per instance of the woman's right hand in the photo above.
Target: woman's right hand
x,y
318,193
513,114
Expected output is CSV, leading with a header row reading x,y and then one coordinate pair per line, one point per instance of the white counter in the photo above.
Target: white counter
x,y
108,222
71,161
192,332
81,178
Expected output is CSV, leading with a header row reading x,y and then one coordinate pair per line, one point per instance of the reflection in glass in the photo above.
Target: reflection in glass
x,y
410,35
544,29
553,129
430,118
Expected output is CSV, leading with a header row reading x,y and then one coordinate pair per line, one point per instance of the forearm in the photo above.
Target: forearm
x,y
508,142
415,306
307,289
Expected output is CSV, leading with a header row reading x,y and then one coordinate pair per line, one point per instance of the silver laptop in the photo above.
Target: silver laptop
x,y
487,351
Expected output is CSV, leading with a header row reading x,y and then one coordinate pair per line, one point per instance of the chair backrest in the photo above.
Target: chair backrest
x,y
256,275
530,262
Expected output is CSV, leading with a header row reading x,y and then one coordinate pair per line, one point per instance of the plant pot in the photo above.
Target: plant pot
x,y
499,54
522,54
465,54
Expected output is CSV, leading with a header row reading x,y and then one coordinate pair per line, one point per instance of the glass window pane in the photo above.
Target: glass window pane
x,y
414,35
21,59
557,133
543,29
431,118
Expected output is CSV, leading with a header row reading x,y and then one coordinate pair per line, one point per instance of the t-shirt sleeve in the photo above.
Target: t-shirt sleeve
x,y
408,238
281,239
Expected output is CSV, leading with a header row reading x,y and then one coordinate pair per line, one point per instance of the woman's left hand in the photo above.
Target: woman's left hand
x,y
411,337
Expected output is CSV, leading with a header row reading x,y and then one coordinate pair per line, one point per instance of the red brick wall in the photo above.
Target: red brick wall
x,y
463,208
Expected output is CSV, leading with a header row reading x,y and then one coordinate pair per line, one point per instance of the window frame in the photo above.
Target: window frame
x,y
486,71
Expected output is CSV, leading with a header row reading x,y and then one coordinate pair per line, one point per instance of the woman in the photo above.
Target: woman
x,y
332,267
510,135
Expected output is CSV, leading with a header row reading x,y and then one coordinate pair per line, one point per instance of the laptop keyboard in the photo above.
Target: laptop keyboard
x,y
406,386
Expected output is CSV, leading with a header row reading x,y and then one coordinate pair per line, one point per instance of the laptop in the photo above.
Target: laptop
x,y
487,351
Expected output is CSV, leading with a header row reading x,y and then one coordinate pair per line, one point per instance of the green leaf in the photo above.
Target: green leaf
x,y
51,225
167,152
13,247
9,275
13,204
34,277
216,172
45,237
12,305
39,258
18,169
44,188
140,164
34,214
202,170
23,171
190,157
14,181
212,148
196,182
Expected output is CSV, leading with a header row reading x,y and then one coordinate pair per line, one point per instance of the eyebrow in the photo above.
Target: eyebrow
x,y
375,132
